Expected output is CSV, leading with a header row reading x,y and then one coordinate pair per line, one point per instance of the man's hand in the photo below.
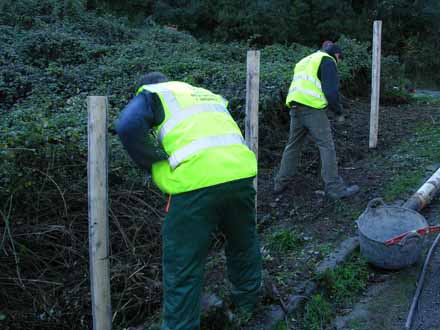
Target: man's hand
x,y
147,179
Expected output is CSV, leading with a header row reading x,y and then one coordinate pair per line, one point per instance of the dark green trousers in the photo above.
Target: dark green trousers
x,y
305,121
186,233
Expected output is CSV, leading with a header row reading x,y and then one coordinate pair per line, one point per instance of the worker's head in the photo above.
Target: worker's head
x,y
152,78
326,43
334,51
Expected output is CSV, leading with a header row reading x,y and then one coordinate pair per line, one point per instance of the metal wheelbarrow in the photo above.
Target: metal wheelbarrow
x,y
392,237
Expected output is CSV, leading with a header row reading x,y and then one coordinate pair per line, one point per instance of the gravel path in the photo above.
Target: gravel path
x,y
385,305
428,92
428,311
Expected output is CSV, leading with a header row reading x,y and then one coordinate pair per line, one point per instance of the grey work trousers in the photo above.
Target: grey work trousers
x,y
308,121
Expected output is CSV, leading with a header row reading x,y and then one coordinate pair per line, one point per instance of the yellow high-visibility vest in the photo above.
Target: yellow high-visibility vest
x,y
306,86
203,142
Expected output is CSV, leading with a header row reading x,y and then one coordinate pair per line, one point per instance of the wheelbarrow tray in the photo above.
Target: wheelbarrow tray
x,y
379,223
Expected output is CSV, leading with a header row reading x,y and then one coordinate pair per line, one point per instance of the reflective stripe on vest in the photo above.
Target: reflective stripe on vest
x,y
306,87
180,116
204,143
308,78
306,91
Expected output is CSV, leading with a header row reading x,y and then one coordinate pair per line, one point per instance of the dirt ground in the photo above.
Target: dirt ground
x,y
303,207
319,225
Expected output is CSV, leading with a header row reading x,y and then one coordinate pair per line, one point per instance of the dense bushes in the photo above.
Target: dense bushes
x,y
34,13
43,47
45,67
49,64
264,22
411,29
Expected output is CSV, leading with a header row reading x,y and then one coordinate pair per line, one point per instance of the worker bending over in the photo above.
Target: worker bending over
x,y
205,166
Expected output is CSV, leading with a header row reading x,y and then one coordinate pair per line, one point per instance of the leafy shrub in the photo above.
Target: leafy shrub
x,y
29,13
355,68
420,61
42,47
15,83
58,63
105,29
412,27
48,69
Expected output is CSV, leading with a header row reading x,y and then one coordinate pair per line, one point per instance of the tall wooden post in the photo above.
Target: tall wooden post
x,y
252,96
97,169
375,84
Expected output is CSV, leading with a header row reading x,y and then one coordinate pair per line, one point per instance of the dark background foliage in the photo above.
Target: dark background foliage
x,y
411,29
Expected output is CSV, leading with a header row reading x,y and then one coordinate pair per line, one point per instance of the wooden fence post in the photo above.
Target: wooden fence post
x,y
375,84
252,96
97,171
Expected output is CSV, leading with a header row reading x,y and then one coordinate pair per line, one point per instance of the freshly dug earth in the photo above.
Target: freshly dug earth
x,y
318,222
55,257
306,208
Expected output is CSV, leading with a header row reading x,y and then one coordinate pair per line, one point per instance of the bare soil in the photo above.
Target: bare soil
x,y
319,222
303,207
55,258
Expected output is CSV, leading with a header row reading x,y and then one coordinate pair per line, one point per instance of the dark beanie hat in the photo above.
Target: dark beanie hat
x,y
152,78
332,50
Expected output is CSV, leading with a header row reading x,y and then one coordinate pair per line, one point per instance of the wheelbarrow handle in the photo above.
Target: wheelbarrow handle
x,y
421,232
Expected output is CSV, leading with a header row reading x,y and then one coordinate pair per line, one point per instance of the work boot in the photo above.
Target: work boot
x,y
346,192
280,186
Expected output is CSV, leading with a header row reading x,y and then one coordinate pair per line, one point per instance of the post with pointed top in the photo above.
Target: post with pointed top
x,y
375,84
252,96
97,172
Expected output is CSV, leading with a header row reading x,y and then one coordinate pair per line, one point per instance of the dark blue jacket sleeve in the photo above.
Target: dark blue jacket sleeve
x,y
330,84
133,128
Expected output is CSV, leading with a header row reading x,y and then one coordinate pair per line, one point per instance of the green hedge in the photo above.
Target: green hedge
x,y
50,61
47,70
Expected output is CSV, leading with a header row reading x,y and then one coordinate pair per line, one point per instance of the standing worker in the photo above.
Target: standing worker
x,y
205,167
314,88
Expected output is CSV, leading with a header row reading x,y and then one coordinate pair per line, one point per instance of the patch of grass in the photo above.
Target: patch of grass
x,y
283,277
424,99
346,209
281,326
317,313
284,241
402,183
412,157
338,289
346,281
325,249
426,143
